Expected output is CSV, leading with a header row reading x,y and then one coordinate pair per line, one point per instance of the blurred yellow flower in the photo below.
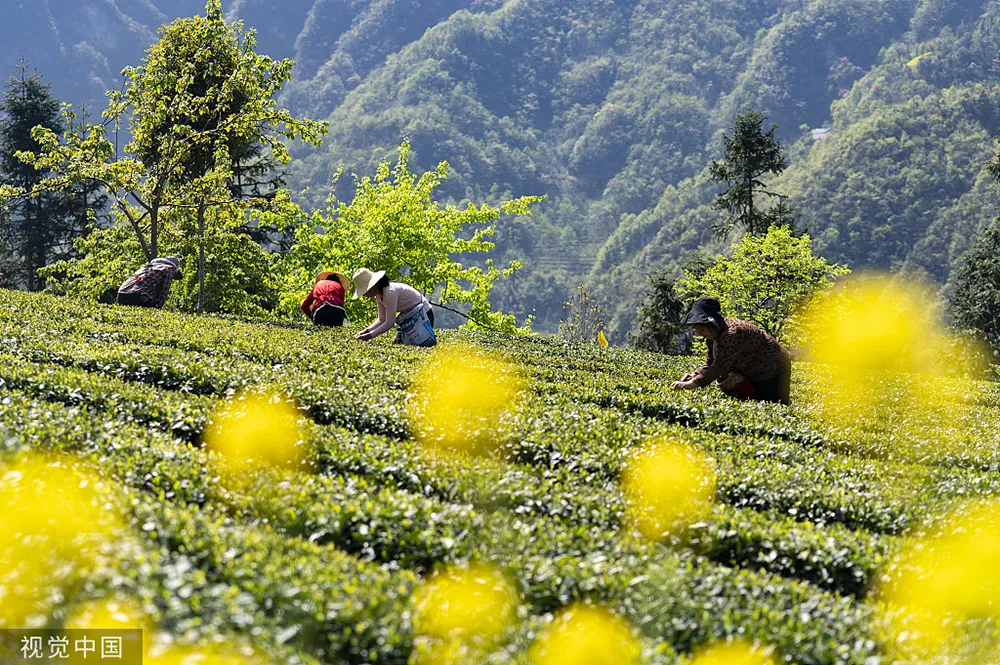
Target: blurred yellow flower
x,y
460,395
202,655
460,613
732,653
53,523
111,614
586,635
885,364
255,430
945,580
478,600
667,487
158,647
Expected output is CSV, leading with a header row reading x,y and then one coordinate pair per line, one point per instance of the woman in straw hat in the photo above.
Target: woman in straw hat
x,y
399,305
325,303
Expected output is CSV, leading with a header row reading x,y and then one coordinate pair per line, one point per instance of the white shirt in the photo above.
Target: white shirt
x,y
395,299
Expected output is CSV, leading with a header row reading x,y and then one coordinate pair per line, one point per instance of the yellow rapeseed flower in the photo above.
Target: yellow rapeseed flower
x,y
158,648
667,487
586,635
255,430
885,364
478,600
460,613
460,395
732,653
53,523
946,586
111,614
213,654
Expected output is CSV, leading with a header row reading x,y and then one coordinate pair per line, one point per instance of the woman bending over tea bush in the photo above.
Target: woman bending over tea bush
x,y
747,362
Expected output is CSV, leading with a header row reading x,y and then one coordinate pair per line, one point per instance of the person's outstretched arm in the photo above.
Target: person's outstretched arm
x,y
378,320
307,304
387,312
696,379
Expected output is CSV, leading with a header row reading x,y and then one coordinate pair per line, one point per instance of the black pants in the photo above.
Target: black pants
x,y
777,389
133,299
329,315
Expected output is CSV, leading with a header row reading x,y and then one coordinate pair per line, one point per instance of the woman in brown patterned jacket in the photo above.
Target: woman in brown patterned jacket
x,y
747,362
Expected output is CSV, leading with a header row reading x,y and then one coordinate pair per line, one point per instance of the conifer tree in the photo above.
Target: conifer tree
x,y
750,153
32,228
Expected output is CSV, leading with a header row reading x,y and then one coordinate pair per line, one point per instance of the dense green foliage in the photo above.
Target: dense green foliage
x,y
976,301
37,231
395,224
616,109
765,281
191,111
749,154
319,563
658,325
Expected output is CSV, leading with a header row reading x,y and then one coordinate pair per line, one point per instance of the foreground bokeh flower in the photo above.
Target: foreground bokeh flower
x,y
943,600
460,613
667,487
255,429
54,522
459,397
586,635
158,647
732,653
885,366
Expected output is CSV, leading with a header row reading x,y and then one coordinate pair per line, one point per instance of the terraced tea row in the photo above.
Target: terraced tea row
x,y
320,560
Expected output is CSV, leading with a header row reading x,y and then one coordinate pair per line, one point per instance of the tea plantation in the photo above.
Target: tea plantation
x,y
320,564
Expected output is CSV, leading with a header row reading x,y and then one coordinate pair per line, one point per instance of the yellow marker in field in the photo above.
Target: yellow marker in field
x,y
601,339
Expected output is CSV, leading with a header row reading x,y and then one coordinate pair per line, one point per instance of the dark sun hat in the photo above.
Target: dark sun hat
x,y
705,310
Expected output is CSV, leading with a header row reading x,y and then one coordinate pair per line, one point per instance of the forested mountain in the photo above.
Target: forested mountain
x,y
614,108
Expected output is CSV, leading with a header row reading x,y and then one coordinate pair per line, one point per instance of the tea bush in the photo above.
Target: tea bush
x,y
318,562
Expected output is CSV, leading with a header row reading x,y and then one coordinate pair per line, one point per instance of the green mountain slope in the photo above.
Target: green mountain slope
x,y
614,110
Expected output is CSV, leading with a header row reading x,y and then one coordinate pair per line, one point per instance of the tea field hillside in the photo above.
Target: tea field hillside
x,y
338,559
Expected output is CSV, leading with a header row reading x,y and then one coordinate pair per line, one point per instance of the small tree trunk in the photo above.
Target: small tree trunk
x,y
201,258
153,228
30,235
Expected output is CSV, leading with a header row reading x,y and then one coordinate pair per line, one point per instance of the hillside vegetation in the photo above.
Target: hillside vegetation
x,y
321,563
614,110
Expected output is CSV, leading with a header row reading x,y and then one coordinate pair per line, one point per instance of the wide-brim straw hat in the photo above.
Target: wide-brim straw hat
x,y
364,279
341,277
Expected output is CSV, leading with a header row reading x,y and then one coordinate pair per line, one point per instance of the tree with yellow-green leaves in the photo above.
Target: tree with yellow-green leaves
x,y
201,100
765,281
395,224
